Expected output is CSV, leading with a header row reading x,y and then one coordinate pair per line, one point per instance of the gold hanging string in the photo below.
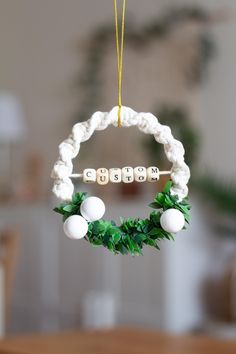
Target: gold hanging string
x,y
119,51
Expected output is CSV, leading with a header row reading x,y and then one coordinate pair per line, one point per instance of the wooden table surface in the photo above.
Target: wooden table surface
x,y
117,341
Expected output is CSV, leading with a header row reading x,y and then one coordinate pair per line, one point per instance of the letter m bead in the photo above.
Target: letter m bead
x,y
153,174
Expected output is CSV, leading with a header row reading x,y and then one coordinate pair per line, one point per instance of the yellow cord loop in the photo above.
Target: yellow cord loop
x,y
119,51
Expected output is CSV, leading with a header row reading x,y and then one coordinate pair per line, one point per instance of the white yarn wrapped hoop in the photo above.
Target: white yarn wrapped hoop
x,y
146,122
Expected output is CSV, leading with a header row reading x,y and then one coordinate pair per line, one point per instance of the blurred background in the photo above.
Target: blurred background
x,y
58,66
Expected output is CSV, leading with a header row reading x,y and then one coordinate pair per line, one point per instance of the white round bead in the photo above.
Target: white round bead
x,y
92,208
172,220
75,227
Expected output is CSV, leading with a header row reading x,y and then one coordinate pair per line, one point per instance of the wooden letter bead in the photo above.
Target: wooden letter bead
x,y
115,175
127,174
89,175
140,174
153,174
102,176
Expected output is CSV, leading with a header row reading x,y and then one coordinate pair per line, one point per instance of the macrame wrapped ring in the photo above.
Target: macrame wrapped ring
x,y
131,235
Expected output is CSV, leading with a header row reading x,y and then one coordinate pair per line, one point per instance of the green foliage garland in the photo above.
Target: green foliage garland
x,y
133,234
90,81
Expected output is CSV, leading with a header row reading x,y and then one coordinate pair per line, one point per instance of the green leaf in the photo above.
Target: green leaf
x,y
136,247
106,239
123,249
154,205
169,203
187,218
150,242
167,187
160,197
155,218
132,244
116,238
154,231
99,227
78,198
58,210
110,246
140,238
183,208
97,243
69,208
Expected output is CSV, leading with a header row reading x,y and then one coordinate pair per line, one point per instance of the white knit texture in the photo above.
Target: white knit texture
x,y
146,122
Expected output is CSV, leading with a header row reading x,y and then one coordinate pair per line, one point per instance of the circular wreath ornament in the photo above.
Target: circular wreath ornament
x,y
130,237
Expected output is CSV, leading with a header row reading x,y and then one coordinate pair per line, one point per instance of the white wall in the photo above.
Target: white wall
x,y
215,110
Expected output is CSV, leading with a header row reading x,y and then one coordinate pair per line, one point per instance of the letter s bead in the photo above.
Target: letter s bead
x,y
115,175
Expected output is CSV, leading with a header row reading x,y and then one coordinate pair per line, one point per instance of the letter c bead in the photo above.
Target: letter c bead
x,y
89,175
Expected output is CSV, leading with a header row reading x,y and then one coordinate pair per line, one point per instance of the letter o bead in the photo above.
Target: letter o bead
x,y
89,175
115,175
102,176
127,174
153,174
140,174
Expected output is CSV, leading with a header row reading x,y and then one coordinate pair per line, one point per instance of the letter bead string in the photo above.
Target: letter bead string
x,y
117,175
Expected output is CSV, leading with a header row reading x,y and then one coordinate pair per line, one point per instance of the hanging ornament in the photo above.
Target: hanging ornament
x,y
82,215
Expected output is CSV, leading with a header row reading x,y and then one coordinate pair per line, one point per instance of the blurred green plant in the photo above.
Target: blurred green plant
x,y
177,118
221,195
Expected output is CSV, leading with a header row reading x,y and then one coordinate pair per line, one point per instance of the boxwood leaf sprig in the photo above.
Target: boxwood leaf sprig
x,y
132,234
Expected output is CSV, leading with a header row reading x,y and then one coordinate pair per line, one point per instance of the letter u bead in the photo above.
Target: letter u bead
x,y
102,176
